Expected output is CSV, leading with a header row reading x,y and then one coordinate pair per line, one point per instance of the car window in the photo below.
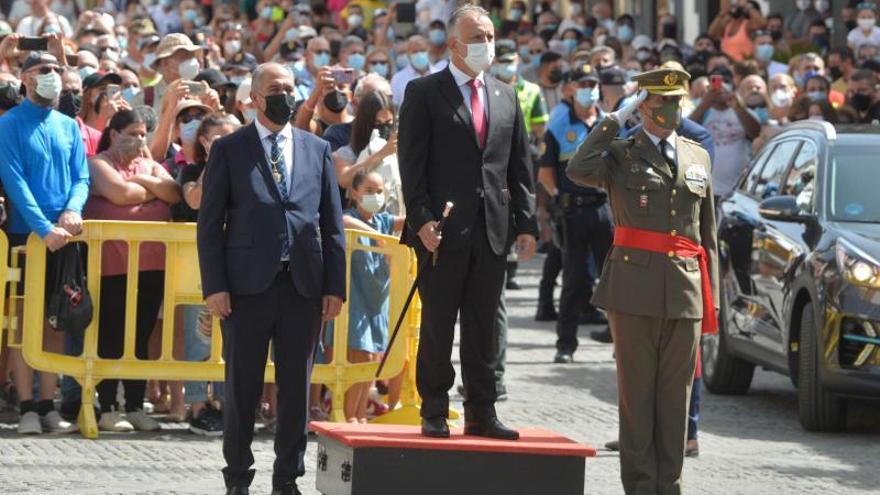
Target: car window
x,y
801,179
770,180
752,178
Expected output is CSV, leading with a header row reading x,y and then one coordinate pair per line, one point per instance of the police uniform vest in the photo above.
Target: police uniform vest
x,y
569,132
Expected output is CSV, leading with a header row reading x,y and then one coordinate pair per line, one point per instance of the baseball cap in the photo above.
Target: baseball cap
x,y
241,61
505,53
38,58
612,76
642,41
99,78
581,73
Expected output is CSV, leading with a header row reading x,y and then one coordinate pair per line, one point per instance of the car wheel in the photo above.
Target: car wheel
x,y
724,373
819,409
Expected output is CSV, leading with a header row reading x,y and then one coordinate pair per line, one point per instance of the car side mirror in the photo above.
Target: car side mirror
x,y
783,209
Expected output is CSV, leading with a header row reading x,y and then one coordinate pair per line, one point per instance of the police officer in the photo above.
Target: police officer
x,y
660,283
584,212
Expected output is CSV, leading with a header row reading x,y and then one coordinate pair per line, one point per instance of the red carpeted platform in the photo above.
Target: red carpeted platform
x,y
395,460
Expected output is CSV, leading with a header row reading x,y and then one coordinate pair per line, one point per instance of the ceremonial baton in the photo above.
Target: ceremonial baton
x,y
415,285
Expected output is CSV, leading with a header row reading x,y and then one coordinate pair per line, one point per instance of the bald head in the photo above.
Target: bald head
x,y
271,78
272,94
416,43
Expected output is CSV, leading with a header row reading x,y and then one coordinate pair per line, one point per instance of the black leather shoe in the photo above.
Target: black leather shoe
x,y
563,357
603,336
237,490
593,317
491,428
546,313
435,427
290,489
513,285
613,445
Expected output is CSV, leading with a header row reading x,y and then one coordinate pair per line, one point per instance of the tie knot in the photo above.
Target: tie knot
x,y
475,84
273,138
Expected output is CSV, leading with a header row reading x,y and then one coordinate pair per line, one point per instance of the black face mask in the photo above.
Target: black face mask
x,y
820,41
835,72
69,104
384,130
335,101
776,34
555,76
279,108
861,102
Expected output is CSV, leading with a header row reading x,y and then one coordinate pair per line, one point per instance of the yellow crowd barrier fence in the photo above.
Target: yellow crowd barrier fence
x,y
182,287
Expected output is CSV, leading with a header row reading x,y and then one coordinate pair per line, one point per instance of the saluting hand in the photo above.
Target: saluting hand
x,y
624,113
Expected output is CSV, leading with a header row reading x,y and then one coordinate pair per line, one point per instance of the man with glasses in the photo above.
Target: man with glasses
x,y
47,179
272,258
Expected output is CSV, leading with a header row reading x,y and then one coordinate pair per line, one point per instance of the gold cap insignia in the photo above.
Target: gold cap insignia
x,y
571,136
670,79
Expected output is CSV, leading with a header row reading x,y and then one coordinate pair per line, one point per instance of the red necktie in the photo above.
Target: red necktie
x,y
479,117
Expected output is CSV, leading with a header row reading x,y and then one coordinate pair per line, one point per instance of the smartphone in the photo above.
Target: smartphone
x,y
112,90
195,88
343,76
716,82
404,22
33,44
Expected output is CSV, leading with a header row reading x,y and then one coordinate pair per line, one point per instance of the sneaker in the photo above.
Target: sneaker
x,y
141,422
29,424
112,421
209,423
54,423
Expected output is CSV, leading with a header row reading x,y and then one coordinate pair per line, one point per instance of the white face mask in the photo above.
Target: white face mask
x,y
479,56
372,203
148,60
49,85
232,47
867,23
780,98
188,69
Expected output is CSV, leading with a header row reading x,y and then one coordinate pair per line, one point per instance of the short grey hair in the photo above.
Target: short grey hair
x,y
372,82
351,40
465,11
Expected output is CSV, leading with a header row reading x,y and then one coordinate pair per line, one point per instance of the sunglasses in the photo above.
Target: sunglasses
x,y
189,117
378,61
48,69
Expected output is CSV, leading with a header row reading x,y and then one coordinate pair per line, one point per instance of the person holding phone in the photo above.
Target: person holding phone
x,y
102,98
732,125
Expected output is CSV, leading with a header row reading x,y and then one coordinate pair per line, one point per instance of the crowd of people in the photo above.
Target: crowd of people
x,y
110,113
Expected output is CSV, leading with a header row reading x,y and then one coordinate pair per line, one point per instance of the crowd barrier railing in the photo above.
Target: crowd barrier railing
x,y
182,287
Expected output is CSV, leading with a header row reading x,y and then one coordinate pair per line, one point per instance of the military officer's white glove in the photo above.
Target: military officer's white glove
x,y
622,115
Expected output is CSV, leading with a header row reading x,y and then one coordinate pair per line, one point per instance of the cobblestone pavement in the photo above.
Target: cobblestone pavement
x,y
751,444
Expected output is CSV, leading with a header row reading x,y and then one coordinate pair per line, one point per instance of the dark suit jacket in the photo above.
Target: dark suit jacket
x,y
689,129
440,160
242,216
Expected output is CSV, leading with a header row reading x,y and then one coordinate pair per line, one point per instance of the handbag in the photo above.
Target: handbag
x,y
69,308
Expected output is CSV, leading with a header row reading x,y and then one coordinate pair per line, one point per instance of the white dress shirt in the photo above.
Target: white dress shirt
x,y
656,140
402,78
285,141
462,80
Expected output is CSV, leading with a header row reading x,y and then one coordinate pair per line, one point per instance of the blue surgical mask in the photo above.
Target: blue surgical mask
x,y
437,36
129,93
298,69
250,115
505,72
123,43
356,61
266,13
291,34
401,61
320,60
515,15
764,52
570,44
625,33
85,72
166,3
762,114
380,69
587,97
419,61
190,15
817,96
189,130
524,52
237,80
372,203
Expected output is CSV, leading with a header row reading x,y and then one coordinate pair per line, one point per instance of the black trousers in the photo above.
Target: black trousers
x,y
551,269
291,322
465,282
588,230
111,332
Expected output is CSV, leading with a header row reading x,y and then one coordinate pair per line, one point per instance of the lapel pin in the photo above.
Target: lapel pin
x,y
497,93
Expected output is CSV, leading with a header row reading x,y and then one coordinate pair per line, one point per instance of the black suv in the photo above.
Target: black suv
x,y
799,257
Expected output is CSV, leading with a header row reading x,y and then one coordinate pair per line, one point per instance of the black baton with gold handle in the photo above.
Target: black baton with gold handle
x,y
412,290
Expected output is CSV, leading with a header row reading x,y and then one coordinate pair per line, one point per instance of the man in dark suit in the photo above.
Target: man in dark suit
x,y
272,257
462,139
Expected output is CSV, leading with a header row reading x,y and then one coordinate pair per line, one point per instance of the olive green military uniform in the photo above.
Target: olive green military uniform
x,y
654,300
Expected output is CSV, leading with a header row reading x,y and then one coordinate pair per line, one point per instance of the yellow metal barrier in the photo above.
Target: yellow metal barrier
x,y
7,274
182,287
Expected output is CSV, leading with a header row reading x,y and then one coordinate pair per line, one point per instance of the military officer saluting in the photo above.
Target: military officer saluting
x,y
659,283
585,217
